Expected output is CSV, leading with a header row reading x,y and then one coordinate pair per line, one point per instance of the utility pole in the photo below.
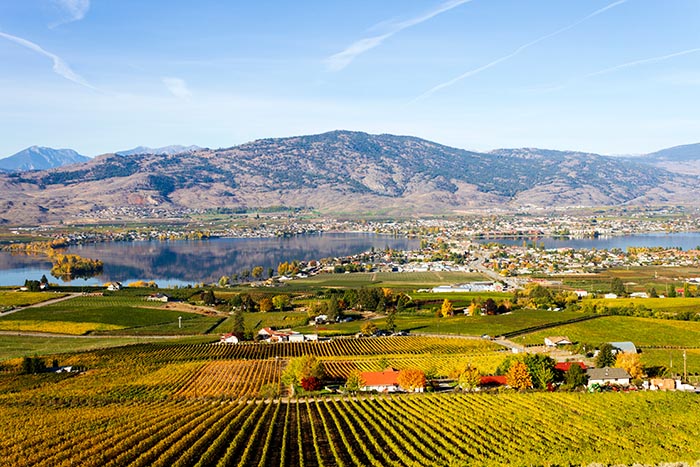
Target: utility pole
x,y
685,366
179,322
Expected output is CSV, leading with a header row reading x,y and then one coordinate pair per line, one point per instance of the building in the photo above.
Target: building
x,y
626,346
554,341
114,286
381,381
228,339
158,297
564,366
608,375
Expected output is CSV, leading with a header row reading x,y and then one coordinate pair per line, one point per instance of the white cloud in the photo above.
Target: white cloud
x,y
177,87
342,59
59,65
75,10
517,51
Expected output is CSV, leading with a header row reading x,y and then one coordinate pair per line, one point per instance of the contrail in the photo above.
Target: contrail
x,y
59,66
517,51
342,59
642,62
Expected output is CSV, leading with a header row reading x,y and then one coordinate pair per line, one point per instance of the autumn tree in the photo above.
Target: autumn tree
x,y
447,309
518,376
631,363
354,382
411,379
265,305
257,272
301,368
368,328
281,302
605,356
224,281
467,377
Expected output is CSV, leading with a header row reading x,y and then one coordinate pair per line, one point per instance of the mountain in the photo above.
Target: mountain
x,y
168,150
679,159
341,172
40,158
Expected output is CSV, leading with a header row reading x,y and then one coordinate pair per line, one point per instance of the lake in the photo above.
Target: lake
x,y
185,262
684,240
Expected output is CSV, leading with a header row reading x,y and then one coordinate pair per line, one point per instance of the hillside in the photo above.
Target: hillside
x,y
683,159
173,149
40,158
341,171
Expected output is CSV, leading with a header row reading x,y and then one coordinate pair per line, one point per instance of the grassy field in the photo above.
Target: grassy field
x,y
11,299
637,279
459,324
85,314
641,331
22,346
668,357
406,280
671,305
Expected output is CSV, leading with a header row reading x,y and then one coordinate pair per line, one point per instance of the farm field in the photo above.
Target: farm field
x,y
81,315
11,299
388,279
670,305
642,331
459,324
494,429
639,279
666,357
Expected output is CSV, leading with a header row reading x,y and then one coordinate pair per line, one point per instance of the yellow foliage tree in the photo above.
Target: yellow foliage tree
x,y
518,376
447,308
631,363
467,377
411,379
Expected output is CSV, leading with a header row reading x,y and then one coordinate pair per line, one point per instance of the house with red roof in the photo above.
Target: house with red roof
x,y
381,381
492,381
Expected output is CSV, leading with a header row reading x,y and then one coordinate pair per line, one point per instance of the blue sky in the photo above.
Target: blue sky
x,y
615,76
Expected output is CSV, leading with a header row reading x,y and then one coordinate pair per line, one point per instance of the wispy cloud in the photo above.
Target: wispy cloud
x,y
177,87
342,59
59,65
517,51
75,10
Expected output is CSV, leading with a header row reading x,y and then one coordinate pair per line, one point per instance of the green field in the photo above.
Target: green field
x,y
22,346
386,279
668,357
11,299
93,313
670,305
641,331
458,324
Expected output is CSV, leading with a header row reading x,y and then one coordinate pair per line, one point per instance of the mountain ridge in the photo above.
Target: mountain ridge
x,y
40,158
343,172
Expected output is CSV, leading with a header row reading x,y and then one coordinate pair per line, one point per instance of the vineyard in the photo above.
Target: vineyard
x,y
514,429
194,404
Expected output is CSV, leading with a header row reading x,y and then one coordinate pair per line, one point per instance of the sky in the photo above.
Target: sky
x,y
97,76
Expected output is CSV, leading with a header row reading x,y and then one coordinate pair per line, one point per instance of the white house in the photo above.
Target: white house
x,y
610,295
608,375
554,341
581,293
627,347
157,297
113,286
296,337
228,339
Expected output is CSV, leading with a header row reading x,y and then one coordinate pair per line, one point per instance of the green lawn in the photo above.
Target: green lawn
x,y
666,357
85,314
641,331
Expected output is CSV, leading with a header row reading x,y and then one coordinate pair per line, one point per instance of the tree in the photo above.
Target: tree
x,y
617,287
411,379
333,311
208,297
447,309
575,377
541,369
310,383
354,382
686,290
518,376
238,323
653,293
257,272
44,280
631,363
490,307
265,305
224,281
467,377
270,273
368,328
33,365
402,302
390,324
605,356
281,302
301,368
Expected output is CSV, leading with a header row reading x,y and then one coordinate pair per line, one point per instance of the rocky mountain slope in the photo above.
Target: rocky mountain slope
x,y
341,172
683,159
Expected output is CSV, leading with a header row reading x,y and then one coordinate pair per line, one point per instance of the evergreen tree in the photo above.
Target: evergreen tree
x,y
605,356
